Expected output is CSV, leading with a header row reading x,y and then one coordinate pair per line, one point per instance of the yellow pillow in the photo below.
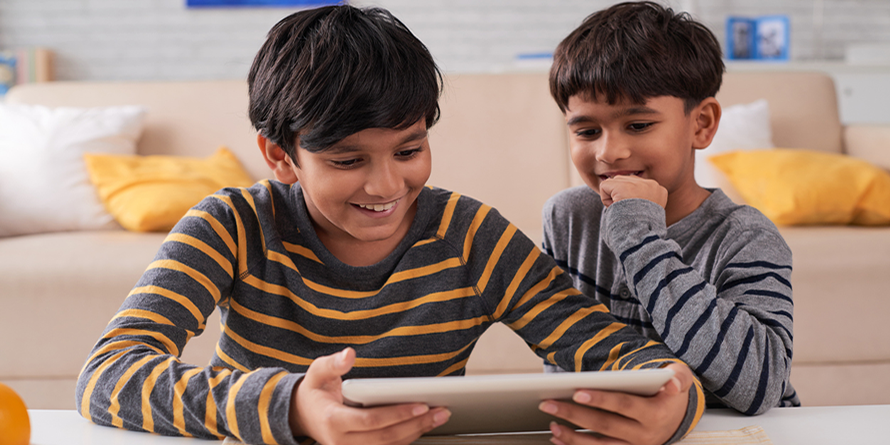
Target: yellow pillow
x,y
151,193
796,187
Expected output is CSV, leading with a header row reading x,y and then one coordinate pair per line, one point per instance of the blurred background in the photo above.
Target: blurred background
x,y
165,39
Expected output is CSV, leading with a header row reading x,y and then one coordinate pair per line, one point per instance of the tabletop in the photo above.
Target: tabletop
x,y
862,425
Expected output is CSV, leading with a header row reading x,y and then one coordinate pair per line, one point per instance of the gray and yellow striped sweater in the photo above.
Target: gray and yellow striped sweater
x,y
285,300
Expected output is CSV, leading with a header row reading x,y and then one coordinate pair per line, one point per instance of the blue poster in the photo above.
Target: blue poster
x,y
249,3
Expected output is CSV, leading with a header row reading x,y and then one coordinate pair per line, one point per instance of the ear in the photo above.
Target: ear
x,y
276,158
707,119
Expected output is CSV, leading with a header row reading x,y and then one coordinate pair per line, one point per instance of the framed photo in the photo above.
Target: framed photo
x,y
772,37
758,38
252,3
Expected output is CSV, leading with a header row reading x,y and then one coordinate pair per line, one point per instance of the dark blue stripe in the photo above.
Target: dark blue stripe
x,y
587,280
712,354
662,284
695,327
678,306
761,385
767,293
753,264
755,279
655,261
633,249
734,375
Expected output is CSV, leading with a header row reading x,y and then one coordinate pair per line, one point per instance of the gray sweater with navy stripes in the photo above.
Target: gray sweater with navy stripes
x,y
715,286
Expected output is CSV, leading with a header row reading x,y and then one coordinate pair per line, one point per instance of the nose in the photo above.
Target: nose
x,y
612,148
384,180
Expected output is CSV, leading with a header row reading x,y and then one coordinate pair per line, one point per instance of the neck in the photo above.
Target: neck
x,y
680,205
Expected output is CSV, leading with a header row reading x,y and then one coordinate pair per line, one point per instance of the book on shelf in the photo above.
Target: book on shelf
x,y
24,65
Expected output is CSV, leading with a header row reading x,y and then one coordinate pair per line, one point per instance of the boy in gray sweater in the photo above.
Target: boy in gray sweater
x,y
680,263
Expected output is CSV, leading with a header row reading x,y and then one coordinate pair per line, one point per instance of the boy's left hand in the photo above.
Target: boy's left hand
x,y
623,418
615,189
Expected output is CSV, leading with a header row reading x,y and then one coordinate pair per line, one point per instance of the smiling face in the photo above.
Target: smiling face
x,y
361,193
654,141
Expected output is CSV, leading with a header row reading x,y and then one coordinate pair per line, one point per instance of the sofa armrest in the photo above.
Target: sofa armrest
x,y
868,142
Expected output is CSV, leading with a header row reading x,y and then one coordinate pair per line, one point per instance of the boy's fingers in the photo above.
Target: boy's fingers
x,y
682,380
393,421
603,422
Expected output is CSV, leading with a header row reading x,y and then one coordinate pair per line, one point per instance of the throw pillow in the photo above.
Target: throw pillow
x,y
793,186
44,186
151,193
742,127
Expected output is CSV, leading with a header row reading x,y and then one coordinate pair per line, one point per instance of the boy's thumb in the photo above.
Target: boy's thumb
x,y
330,367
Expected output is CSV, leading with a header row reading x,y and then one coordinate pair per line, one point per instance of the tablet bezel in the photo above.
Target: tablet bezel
x,y
497,403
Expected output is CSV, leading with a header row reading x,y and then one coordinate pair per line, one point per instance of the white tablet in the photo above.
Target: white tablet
x,y
497,403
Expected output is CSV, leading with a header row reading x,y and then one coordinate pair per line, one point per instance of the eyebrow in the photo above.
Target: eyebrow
x,y
411,137
629,111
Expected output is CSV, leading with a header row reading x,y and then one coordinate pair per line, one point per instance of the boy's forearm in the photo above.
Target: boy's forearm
x,y
667,287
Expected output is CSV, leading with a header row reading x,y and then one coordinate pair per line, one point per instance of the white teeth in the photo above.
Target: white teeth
x,y
378,207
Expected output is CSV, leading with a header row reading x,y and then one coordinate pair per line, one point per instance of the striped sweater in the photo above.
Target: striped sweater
x,y
715,286
285,300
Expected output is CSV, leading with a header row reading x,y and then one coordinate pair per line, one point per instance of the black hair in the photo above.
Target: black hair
x,y
635,51
326,73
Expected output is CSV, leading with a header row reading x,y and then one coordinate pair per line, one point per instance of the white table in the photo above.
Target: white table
x,y
860,425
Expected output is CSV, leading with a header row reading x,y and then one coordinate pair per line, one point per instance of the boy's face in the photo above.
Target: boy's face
x,y
362,191
654,141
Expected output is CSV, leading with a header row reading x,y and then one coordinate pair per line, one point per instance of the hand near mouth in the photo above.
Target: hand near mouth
x,y
621,187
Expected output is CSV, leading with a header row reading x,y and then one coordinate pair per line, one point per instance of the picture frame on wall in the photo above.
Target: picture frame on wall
x,y
257,3
759,38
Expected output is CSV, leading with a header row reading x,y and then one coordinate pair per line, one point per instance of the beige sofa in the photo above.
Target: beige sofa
x,y
501,139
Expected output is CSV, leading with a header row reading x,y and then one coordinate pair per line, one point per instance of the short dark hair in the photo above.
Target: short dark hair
x,y
635,51
326,73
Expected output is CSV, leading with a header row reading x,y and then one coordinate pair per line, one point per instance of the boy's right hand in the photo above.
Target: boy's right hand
x,y
617,188
317,410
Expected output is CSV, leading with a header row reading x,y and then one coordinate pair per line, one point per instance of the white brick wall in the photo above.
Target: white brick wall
x,y
161,39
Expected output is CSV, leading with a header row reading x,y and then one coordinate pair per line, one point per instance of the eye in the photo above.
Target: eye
x,y
588,133
640,126
408,154
345,163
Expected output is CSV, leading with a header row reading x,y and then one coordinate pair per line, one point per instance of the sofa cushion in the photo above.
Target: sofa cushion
x,y
807,187
742,126
152,193
44,185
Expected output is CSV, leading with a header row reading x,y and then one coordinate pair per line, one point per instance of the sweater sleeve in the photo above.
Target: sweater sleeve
x,y
133,377
538,301
736,334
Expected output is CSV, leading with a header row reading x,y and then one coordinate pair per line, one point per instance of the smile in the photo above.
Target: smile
x,y
609,175
379,207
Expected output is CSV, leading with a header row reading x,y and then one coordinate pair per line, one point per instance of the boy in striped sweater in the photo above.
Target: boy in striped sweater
x,y
348,265
680,263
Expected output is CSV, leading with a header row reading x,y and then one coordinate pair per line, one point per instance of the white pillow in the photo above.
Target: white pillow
x,y
742,127
44,184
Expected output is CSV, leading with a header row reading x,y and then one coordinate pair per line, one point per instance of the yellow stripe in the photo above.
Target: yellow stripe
x,y
140,313
257,348
91,385
117,346
231,415
268,185
541,307
148,386
471,231
407,360
263,408
495,257
217,227
189,305
447,215
358,315
614,355
539,287
204,248
517,280
617,365
302,251
602,334
569,322
425,242
171,347
115,407
178,408
455,367
400,331
191,272
241,254
229,360
210,406
249,198
394,278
